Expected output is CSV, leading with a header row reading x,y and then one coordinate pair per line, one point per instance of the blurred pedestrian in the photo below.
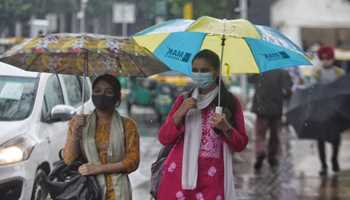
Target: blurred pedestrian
x,y
297,79
106,142
199,166
271,89
326,73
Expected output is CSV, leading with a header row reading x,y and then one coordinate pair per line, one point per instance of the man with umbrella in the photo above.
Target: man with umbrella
x,y
324,74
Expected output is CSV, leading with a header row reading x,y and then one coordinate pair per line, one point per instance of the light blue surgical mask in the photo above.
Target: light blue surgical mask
x,y
203,80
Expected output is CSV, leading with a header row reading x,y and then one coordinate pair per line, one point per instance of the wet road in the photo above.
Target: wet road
x,y
296,178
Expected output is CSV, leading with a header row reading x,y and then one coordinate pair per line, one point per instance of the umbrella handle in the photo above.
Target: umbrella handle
x,y
218,109
83,95
84,85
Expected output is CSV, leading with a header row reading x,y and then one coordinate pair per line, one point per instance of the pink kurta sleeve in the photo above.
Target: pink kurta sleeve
x,y
169,132
239,139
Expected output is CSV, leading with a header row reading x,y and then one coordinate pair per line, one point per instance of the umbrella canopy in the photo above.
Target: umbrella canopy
x,y
245,48
322,111
78,53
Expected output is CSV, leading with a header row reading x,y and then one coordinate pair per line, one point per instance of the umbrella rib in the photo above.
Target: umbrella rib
x,y
136,65
36,58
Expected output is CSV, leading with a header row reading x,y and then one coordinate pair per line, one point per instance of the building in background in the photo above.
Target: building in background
x,y
313,21
259,12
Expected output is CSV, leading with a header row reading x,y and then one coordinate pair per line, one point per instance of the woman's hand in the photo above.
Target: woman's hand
x,y
77,124
90,169
186,105
220,122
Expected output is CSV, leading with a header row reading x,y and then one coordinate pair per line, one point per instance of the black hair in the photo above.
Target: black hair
x,y
112,81
211,57
228,100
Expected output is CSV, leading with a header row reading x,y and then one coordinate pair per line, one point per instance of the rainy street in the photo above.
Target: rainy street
x,y
250,98
296,178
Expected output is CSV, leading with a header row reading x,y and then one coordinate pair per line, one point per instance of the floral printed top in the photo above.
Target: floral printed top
x,y
210,180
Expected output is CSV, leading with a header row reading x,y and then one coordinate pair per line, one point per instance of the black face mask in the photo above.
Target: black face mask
x,y
103,102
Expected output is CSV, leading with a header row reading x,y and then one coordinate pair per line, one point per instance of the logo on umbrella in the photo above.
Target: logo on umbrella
x,y
178,55
276,56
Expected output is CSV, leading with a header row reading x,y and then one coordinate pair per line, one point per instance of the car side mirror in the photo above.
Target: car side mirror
x,y
62,113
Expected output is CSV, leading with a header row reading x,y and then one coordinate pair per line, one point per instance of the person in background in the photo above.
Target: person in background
x,y
106,142
297,78
199,166
326,73
271,89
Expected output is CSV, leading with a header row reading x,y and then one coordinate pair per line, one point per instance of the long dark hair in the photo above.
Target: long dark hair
x,y
228,100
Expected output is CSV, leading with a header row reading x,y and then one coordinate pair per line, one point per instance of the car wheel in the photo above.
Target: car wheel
x,y
39,193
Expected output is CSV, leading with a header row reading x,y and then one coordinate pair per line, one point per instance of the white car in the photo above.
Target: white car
x,y
34,113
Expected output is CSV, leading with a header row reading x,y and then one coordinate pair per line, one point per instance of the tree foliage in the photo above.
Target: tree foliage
x,y
96,8
22,10
13,10
217,8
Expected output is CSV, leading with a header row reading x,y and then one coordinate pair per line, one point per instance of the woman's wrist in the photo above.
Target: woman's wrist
x,y
74,138
76,135
177,118
228,132
227,129
101,169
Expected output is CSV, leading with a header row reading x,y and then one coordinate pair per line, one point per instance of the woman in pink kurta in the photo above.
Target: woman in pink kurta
x,y
216,129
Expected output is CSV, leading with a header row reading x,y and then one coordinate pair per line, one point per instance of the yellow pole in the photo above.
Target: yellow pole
x,y
188,11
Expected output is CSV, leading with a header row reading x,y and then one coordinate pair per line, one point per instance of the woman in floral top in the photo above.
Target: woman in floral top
x,y
106,141
200,164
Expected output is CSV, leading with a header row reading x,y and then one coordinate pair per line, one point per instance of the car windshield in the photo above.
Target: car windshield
x,y
17,95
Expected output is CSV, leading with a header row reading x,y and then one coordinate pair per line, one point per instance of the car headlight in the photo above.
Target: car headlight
x,y
16,150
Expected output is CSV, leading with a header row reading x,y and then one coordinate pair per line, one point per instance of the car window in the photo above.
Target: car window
x,y
17,96
52,95
73,87
87,89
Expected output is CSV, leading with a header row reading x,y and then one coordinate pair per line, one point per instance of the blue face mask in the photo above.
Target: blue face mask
x,y
203,80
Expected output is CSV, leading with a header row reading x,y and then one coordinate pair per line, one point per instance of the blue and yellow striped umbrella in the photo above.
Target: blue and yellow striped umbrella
x,y
247,48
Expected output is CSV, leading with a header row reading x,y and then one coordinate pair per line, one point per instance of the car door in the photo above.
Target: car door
x,y
54,132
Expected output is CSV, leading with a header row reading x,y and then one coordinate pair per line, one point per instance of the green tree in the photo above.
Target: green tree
x,y
218,8
97,8
12,11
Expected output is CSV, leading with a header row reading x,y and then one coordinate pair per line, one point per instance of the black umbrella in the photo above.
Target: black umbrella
x,y
321,111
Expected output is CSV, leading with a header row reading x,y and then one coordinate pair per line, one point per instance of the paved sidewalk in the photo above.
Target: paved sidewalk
x,y
297,177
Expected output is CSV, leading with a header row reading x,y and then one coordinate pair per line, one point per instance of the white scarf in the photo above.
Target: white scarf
x,y
116,152
192,141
